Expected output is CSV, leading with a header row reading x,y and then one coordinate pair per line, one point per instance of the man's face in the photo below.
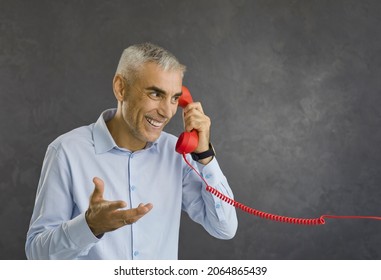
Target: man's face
x,y
150,102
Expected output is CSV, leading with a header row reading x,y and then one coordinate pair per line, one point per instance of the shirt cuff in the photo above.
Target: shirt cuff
x,y
211,172
79,232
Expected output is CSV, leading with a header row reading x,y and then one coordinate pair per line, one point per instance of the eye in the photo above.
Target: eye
x,y
155,95
175,99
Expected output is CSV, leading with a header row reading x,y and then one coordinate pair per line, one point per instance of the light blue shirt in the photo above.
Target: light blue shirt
x,y
156,174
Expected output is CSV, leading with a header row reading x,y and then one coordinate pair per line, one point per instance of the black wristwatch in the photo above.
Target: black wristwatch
x,y
208,153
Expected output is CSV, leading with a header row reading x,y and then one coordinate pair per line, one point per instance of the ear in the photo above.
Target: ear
x,y
119,87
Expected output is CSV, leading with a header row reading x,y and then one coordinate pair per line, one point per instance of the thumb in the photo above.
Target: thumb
x,y
98,190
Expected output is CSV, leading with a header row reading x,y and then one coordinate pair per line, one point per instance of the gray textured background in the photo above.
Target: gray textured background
x,y
292,88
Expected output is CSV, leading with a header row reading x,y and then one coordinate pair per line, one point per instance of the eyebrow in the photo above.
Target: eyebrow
x,y
162,91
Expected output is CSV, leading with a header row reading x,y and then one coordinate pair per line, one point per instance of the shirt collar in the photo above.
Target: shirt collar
x,y
103,141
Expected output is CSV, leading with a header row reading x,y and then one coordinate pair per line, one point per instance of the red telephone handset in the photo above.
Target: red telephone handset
x,y
188,141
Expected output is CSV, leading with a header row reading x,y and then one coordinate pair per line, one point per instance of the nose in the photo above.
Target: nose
x,y
166,108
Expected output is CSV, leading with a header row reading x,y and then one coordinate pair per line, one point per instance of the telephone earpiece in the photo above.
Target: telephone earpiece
x,y
188,141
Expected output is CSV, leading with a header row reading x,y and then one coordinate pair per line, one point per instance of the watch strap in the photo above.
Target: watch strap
x,y
209,153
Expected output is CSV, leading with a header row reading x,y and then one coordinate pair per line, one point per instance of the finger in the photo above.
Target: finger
x,y
149,206
115,205
194,111
193,107
135,213
98,190
141,210
198,122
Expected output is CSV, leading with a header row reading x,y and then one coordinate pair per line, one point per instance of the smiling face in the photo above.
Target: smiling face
x,y
145,106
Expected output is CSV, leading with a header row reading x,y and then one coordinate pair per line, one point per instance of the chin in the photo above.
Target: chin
x,y
153,138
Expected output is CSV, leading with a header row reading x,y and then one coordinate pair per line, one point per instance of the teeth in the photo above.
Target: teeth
x,y
153,122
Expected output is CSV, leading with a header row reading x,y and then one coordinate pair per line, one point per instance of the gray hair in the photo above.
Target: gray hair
x,y
135,56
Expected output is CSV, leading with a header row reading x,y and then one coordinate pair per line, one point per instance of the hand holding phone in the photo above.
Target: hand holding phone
x,y
188,141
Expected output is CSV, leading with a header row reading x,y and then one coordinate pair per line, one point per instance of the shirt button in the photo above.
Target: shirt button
x,y
218,205
136,253
133,188
132,156
207,176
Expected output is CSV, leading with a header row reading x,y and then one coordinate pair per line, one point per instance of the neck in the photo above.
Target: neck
x,y
121,135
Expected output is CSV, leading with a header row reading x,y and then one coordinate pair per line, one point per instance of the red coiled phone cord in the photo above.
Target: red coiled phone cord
x,y
277,218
